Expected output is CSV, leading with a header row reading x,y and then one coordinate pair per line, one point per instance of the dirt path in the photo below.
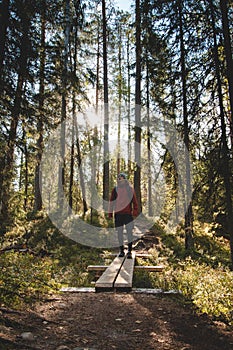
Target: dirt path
x,y
107,321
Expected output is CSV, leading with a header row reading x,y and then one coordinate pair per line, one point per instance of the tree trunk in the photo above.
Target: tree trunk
x,y
4,22
61,175
128,104
137,173
225,166
94,159
119,99
106,113
71,181
9,164
26,172
149,183
229,60
188,214
38,198
97,73
94,167
81,175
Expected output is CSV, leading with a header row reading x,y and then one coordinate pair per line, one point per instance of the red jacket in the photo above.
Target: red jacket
x,y
123,200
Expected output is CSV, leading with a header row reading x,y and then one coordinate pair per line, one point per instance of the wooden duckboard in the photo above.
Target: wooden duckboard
x,y
107,279
153,268
124,279
118,276
138,255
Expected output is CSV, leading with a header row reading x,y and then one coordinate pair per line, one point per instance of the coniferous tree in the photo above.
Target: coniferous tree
x,y
4,23
128,49
64,87
25,17
106,109
225,160
229,60
188,214
40,126
137,145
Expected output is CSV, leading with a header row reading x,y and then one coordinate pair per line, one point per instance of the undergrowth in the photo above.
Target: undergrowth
x,y
25,279
47,262
210,290
203,277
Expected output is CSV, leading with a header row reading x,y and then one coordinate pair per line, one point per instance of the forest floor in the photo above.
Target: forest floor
x,y
105,321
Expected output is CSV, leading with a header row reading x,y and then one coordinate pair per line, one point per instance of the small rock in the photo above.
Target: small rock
x,y
27,336
63,347
62,305
84,349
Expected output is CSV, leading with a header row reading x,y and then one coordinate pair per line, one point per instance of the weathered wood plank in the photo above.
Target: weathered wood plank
x,y
134,290
156,268
124,279
143,255
78,289
151,268
107,279
138,255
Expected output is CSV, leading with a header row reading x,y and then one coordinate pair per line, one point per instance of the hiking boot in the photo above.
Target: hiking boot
x,y
129,255
121,254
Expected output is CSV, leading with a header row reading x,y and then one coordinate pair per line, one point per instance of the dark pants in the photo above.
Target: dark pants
x,y
126,220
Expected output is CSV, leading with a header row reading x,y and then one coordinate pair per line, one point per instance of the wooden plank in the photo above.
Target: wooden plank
x,y
138,255
156,268
107,279
78,289
143,255
153,268
124,279
97,267
134,290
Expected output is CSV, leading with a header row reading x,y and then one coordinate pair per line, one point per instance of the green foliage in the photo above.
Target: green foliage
x,y
25,278
204,278
211,290
53,261
141,279
73,260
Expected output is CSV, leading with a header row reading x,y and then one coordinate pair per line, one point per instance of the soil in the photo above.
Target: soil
x,y
107,321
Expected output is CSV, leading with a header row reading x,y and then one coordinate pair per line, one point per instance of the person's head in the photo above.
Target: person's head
x,y
121,176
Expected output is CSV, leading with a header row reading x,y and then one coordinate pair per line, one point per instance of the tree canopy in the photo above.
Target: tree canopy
x,y
147,91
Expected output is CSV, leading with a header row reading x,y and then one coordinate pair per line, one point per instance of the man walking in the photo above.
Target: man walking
x,y
123,203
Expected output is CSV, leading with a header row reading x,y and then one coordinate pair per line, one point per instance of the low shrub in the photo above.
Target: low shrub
x,y
211,290
25,278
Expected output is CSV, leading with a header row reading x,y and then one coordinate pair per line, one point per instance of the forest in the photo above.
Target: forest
x,y
89,90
